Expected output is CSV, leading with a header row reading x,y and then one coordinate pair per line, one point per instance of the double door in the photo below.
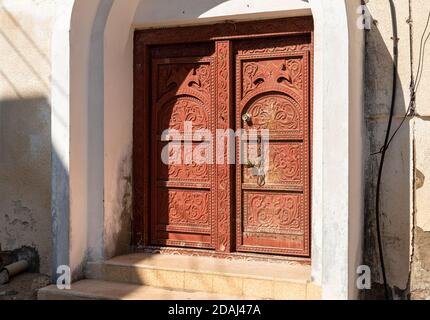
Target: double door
x,y
227,149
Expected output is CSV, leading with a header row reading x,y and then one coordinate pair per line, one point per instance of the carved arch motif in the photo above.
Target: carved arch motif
x,y
180,110
274,112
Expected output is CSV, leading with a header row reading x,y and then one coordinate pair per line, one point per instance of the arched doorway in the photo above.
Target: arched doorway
x,y
91,199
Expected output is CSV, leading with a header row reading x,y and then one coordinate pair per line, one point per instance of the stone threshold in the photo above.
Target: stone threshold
x,y
105,290
237,278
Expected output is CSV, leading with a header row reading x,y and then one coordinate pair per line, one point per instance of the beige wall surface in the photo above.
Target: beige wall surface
x,y
405,213
25,142
420,273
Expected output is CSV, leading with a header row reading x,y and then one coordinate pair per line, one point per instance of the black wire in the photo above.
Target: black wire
x,y
384,149
413,86
400,125
410,111
422,68
421,56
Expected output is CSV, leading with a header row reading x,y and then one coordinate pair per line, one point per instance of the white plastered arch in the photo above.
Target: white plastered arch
x,y
92,100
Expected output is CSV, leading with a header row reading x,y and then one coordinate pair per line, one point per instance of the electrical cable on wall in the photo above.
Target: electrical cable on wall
x,y
384,149
414,85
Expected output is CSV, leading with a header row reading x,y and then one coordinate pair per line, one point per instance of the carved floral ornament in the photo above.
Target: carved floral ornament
x,y
185,207
274,113
273,213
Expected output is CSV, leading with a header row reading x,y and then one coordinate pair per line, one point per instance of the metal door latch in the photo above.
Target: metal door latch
x,y
257,170
246,118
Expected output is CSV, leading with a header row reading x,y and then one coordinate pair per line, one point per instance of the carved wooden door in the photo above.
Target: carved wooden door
x,y
182,102
272,107
253,78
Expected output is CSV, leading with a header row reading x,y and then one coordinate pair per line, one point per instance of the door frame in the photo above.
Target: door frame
x,y
223,33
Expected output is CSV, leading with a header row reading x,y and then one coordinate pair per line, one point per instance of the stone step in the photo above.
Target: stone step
x,y
105,290
238,278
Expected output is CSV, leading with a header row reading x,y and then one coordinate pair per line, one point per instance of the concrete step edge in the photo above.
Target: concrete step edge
x,y
194,271
201,282
87,290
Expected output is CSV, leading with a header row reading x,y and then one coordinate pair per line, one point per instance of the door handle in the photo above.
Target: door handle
x,y
257,165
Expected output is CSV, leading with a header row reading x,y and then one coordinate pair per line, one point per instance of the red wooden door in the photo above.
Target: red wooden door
x,y
182,103
254,77
272,94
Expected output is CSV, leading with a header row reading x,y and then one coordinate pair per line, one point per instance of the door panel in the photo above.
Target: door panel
x,y
285,167
182,108
272,211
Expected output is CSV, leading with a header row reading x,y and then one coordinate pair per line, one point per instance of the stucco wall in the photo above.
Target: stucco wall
x,y
405,241
420,273
25,142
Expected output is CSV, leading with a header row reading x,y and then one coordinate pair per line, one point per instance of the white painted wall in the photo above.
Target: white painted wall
x,y
83,199
60,135
338,189
118,122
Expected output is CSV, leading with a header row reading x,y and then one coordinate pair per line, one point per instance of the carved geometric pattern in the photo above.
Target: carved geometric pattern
x,y
274,46
290,27
272,213
223,175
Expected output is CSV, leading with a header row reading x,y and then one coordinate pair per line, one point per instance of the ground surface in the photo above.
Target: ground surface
x,y
24,287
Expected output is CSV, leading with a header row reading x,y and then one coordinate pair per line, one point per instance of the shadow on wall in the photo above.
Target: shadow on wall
x,y
396,181
25,176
